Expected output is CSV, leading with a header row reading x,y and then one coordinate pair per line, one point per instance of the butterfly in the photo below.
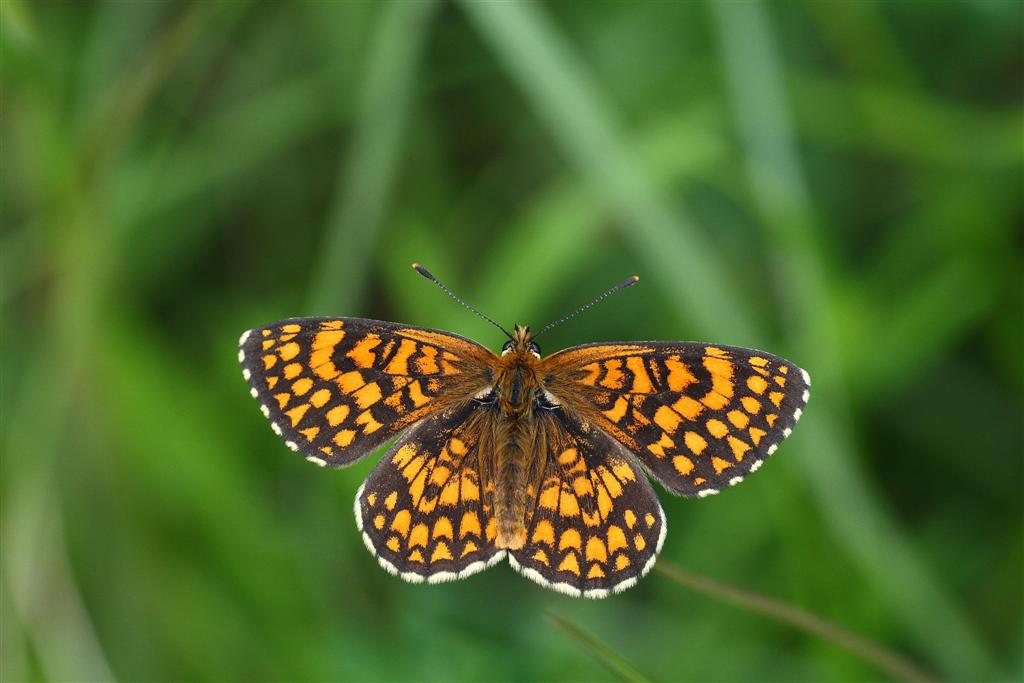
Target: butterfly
x,y
541,459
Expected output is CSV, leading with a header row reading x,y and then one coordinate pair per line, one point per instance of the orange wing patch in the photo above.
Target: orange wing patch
x,y
335,389
597,525
699,417
421,511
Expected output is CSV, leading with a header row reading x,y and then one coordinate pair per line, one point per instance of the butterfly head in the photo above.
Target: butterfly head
x,y
521,343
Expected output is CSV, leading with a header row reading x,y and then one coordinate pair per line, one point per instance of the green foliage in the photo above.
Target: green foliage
x,y
835,182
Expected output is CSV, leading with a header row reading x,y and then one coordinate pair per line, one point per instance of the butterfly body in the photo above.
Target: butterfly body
x,y
541,460
512,409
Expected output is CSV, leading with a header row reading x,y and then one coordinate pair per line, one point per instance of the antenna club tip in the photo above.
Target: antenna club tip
x,y
629,281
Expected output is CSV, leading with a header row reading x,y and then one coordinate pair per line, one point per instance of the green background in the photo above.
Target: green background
x,y
839,183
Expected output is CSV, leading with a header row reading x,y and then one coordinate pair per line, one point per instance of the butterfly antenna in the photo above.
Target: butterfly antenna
x,y
628,282
427,274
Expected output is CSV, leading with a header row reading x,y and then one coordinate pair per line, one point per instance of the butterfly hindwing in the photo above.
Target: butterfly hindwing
x,y
699,417
597,525
336,388
422,511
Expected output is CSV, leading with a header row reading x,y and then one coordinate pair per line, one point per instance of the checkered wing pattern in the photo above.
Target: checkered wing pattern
x,y
422,511
699,417
336,388
597,525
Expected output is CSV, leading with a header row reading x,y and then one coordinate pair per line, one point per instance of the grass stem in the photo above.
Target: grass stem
x,y
882,657
599,650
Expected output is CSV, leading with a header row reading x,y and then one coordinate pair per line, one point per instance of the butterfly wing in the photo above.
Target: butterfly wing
x,y
699,417
422,512
596,526
336,388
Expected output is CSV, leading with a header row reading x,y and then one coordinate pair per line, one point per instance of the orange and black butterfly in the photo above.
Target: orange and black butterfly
x,y
540,459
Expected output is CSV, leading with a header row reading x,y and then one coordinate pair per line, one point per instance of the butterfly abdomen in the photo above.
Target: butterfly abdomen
x,y
510,498
516,386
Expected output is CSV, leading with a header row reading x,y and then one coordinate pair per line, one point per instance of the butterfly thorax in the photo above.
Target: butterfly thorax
x,y
516,380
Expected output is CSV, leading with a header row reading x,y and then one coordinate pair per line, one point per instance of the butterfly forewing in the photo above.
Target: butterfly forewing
x,y
422,511
597,525
699,417
336,388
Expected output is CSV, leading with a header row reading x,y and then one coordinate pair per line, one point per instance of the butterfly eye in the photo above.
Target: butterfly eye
x,y
507,347
534,349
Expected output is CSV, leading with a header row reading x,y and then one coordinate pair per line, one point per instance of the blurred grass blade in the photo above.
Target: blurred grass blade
x,y
601,652
673,146
924,129
17,25
230,143
885,659
121,109
368,170
568,102
781,195
921,325
35,562
41,583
